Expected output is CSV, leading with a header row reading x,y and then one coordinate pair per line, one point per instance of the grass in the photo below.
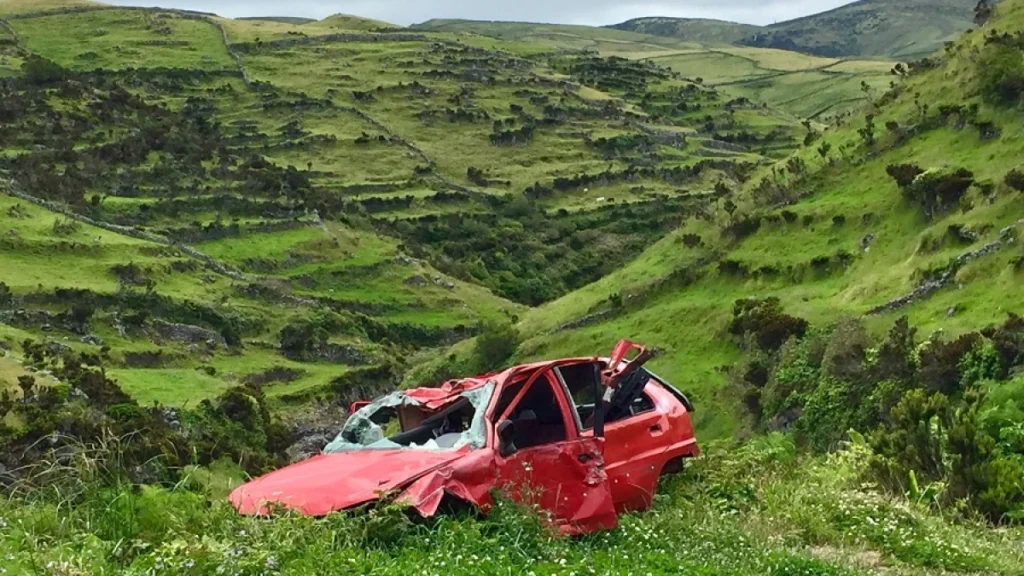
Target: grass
x,y
783,79
10,371
116,39
747,511
20,6
169,386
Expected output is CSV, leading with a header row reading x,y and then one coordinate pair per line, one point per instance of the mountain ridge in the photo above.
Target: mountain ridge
x,y
904,29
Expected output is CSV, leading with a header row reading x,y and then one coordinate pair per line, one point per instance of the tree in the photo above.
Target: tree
x,y
730,207
5,295
1001,74
982,12
824,149
39,71
497,342
867,133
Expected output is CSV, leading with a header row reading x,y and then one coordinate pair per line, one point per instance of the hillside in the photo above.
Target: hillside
x,y
801,85
830,235
902,30
331,200
700,30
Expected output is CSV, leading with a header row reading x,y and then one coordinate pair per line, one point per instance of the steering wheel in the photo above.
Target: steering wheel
x,y
442,429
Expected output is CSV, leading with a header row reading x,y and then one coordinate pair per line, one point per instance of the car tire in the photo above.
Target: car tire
x,y
673,467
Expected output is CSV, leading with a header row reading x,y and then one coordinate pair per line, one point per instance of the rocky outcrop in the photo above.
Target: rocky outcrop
x,y
929,287
188,333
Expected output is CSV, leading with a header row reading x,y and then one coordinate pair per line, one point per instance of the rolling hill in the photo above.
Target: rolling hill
x,y
898,29
802,85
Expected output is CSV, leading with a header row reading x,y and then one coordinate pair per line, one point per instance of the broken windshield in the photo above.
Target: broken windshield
x,y
400,422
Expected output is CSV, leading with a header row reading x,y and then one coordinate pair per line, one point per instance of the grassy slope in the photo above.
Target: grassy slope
x,y
689,322
20,6
340,264
741,511
803,85
690,29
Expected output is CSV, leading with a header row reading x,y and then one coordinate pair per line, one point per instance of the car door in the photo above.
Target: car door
x,y
636,449
552,467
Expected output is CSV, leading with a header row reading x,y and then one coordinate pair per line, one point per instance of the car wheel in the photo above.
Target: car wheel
x,y
673,467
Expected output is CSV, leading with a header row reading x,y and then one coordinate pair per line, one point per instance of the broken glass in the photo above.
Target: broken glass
x,y
378,425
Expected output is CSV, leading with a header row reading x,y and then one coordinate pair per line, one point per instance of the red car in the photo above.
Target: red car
x,y
583,438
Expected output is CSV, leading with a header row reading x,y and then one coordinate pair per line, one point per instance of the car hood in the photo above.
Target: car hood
x,y
332,482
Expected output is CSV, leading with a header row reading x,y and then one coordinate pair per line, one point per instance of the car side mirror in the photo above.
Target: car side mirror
x,y
506,438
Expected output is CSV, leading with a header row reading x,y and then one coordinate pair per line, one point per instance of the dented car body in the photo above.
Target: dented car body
x,y
584,439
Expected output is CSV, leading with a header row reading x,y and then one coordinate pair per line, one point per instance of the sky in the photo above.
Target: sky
x,y
587,12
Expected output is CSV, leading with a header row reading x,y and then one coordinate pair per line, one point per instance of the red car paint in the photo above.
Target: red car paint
x,y
582,481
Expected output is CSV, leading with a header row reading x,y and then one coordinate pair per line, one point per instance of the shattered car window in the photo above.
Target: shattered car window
x,y
399,422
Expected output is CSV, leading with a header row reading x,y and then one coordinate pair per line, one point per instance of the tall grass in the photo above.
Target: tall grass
x,y
759,509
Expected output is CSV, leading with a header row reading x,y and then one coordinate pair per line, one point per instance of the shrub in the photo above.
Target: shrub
x,y
911,442
937,191
904,174
742,228
1001,74
1008,342
496,343
39,71
941,363
301,339
5,295
689,240
978,471
1015,179
765,321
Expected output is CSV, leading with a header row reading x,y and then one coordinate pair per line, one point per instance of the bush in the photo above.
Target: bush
x,y
496,343
937,191
765,321
301,339
1008,342
941,363
1001,74
1015,179
904,174
39,71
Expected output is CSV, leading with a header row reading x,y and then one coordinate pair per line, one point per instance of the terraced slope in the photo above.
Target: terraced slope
x,y
227,201
805,86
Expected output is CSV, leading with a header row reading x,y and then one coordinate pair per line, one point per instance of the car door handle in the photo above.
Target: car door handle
x,y
656,428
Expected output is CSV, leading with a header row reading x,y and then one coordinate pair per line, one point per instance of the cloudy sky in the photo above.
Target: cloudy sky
x,y
590,12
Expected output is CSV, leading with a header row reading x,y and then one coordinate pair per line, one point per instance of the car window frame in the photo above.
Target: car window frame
x,y
654,380
565,404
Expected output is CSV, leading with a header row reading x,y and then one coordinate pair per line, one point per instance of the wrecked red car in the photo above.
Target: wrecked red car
x,y
584,439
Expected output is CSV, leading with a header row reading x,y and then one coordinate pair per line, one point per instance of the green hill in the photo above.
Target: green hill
x,y
281,19
802,85
893,29
368,194
700,30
